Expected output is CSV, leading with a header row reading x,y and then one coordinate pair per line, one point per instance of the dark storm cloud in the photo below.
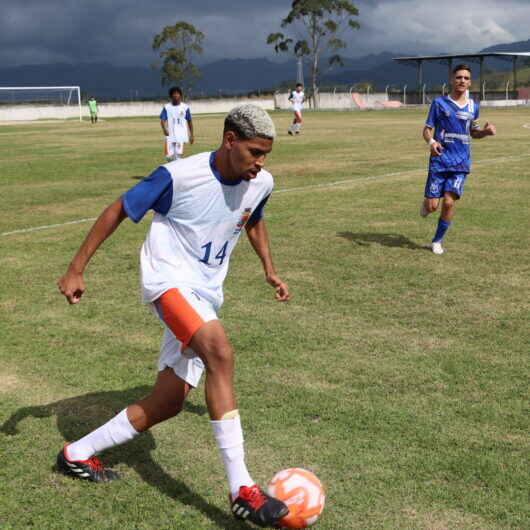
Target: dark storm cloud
x,y
121,31
452,26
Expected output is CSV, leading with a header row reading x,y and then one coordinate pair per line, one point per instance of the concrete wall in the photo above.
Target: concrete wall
x,y
333,101
117,110
504,102
328,101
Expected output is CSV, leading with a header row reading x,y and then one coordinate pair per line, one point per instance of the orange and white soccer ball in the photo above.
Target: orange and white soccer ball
x,y
302,492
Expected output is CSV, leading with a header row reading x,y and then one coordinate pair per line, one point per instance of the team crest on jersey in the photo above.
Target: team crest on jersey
x,y
462,115
243,219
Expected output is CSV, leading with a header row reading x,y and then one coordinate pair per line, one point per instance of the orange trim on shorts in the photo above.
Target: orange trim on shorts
x,y
179,316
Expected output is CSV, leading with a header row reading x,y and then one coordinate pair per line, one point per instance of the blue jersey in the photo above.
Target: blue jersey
x,y
452,124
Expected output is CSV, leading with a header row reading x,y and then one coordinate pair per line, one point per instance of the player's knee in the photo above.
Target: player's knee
x,y
220,357
449,203
431,206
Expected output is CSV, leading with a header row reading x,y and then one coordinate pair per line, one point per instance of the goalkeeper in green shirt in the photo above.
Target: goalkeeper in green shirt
x,y
93,107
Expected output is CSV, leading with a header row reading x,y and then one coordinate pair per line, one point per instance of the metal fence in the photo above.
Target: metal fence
x,y
413,96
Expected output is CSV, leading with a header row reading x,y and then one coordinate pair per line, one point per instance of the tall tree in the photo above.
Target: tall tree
x,y
178,44
319,25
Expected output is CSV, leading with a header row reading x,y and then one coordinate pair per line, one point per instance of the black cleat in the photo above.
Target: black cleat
x,y
254,505
91,469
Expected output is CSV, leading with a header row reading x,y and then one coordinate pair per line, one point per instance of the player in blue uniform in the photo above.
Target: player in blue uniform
x,y
451,123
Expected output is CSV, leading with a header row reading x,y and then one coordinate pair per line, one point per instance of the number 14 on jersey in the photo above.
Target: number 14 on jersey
x,y
220,256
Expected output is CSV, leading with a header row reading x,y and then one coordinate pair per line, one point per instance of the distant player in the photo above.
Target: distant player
x,y
297,100
177,125
201,204
93,109
454,120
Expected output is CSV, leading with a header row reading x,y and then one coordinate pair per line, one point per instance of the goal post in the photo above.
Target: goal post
x,y
28,97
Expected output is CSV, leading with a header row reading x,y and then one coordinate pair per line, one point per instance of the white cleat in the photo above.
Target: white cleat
x,y
423,210
437,248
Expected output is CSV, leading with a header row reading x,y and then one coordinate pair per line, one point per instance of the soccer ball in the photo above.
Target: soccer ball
x,y
302,492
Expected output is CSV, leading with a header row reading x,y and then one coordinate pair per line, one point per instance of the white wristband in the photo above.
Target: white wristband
x,y
432,141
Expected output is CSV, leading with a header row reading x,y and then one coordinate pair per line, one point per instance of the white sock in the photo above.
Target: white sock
x,y
115,432
229,437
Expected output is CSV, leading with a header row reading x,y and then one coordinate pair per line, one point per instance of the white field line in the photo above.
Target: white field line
x,y
288,190
526,125
35,228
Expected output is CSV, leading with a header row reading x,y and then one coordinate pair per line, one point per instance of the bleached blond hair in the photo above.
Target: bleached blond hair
x,y
250,121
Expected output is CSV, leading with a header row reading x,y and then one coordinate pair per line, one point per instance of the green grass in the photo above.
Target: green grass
x,y
397,376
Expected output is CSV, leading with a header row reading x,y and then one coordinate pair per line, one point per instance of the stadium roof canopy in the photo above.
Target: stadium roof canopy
x,y
471,57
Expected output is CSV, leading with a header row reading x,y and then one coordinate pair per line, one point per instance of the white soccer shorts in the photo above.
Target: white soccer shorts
x,y
173,149
182,311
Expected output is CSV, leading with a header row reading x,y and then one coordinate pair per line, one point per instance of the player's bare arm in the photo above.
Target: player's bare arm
x,y
163,124
488,130
436,147
71,284
259,239
190,128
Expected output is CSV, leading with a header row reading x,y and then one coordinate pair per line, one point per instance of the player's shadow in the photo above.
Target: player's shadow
x,y
81,414
138,177
388,240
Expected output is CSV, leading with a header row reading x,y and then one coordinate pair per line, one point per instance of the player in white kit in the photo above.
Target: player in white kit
x,y
297,100
177,125
201,205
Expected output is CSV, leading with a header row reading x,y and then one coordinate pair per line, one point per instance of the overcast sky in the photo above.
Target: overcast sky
x,y
121,31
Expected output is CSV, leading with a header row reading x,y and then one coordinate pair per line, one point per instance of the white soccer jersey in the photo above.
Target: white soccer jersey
x,y
177,117
297,99
197,222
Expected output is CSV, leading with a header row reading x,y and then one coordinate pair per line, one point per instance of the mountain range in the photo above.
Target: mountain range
x,y
229,76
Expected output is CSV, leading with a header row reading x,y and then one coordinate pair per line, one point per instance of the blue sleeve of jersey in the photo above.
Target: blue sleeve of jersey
x,y
188,115
477,111
257,214
432,117
154,192
163,114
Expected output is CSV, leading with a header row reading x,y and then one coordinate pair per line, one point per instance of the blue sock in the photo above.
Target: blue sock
x,y
441,230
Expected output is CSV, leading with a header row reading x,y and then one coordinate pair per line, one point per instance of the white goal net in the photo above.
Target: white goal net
x,y
34,103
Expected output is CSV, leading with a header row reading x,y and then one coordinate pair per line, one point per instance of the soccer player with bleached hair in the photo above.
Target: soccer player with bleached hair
x,y
297,98
450,125
201,203
177,125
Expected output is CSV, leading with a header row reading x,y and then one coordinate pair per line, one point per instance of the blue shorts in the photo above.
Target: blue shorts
x,y
438,183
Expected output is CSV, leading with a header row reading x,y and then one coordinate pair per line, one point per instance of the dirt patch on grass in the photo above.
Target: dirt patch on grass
x,y
9,382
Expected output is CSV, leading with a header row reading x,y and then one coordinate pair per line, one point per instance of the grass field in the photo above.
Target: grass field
x,y
399,377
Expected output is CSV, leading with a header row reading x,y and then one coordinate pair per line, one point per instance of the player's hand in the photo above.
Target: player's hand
x,y
282,291
436,149
490,129
72,286
192,139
